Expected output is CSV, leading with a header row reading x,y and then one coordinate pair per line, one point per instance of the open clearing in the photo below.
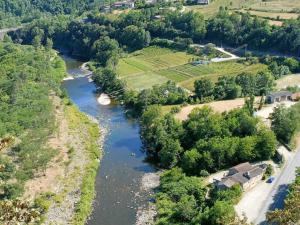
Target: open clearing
x,y
217,106
284,8
290,80
154,65
273,15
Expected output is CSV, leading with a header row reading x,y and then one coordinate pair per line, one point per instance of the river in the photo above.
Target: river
x,y
122,166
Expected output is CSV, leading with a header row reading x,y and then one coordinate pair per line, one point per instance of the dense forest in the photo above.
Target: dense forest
x,y
136,29
206,141
104,40
17,12
28,76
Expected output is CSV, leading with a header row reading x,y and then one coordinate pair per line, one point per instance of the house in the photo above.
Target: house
x,y
123,5
202,2
245,175
279,96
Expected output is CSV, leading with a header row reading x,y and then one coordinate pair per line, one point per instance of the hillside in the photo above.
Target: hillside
x,y
48,149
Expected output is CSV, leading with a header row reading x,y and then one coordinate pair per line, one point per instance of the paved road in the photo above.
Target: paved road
x,y
232,56
275,200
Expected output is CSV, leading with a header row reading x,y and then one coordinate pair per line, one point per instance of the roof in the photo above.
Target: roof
x,y
240,178
242,168
280,93
227,182
256,171
296,95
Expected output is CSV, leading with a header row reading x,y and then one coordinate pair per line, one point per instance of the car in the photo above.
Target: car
x,y
270,180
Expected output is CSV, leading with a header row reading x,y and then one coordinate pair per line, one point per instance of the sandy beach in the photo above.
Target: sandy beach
x,y
104,99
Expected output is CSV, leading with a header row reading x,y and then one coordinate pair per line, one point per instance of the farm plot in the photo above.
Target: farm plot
x,y
154,65
147,67
215,70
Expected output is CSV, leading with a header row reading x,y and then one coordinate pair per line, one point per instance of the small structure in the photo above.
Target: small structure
x,y
200,62
296,96
279,96
202,2
123,5
244,175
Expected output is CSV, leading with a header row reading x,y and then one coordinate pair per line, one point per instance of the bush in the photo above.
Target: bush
x,y
269,171
175,109
11,191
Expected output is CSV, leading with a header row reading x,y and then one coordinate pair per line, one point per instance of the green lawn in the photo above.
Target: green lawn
x,y
154,65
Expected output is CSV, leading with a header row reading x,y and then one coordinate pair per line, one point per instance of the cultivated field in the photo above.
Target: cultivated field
x,y
285,9
141,69
154,65
215,70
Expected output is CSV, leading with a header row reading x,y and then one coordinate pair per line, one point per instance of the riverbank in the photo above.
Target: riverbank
x,y
65,191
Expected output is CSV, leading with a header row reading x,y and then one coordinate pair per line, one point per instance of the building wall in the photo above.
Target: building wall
x,y
251,183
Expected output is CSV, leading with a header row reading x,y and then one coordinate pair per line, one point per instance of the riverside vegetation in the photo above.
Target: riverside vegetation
x,y
207,141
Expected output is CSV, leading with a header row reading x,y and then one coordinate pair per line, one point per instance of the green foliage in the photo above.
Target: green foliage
x,y
285,122
203,88
27,78
206,140
181,198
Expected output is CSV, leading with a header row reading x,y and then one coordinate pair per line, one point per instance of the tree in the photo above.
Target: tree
x,y
170,153
226,88
264,83
190,161
247,82
203,88
284,123
265,144
221,213
202,123
135,37
49,44
292,63
106,51
37,41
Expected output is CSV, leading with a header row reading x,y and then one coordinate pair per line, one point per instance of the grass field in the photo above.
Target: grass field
x,y
154,65
142,69
285,9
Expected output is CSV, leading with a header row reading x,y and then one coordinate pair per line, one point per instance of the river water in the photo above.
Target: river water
x,y
122,166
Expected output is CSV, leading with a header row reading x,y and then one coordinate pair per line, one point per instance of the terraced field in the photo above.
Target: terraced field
x,y
142,69
154,65
285,9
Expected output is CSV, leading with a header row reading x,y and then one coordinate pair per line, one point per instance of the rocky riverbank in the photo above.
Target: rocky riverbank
x,y
146,213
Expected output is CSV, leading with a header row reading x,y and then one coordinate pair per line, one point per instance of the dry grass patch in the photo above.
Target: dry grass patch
x,y
290,80
218,106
